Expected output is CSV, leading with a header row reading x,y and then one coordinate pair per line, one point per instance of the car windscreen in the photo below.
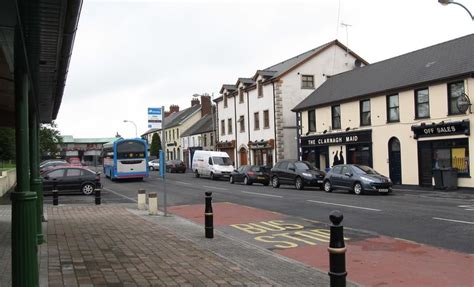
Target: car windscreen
x,y
362,169
257,168
220,160
301,165
130,149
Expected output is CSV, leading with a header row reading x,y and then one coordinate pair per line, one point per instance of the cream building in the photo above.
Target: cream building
x,y
403,116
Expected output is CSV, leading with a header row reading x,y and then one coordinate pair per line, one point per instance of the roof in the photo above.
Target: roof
x,y
71,139
177,118
228,87
441,62
204,125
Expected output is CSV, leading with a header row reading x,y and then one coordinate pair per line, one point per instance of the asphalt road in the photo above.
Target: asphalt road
x,y
437,218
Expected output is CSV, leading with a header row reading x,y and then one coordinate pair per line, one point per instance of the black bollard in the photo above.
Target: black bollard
x,y
337,251
55,194
209,216
97,196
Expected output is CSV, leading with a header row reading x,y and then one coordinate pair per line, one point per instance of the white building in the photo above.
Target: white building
x,y
255,121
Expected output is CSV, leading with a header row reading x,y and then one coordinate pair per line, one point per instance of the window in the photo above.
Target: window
x,y
222,127
422,104
177,133
307,82
452,154
73,172
393,110
205,140
336,117
365,113
260,88
225,101
454,91
266,120
311,121
256,121
241,95
173,135
56,173
212,139
229,125
242,124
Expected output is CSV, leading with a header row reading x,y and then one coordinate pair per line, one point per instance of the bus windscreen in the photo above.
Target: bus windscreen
x,y
130,149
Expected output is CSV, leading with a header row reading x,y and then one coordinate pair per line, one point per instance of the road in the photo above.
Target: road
x,y
439,219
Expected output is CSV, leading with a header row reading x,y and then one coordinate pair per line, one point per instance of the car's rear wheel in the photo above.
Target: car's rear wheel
x,y
231,179
212,176
299,183
152,168
247,181
358,190
275,182
87,189
327,186
196,174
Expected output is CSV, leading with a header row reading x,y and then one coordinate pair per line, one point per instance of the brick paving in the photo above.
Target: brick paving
x,y
5,245
109,246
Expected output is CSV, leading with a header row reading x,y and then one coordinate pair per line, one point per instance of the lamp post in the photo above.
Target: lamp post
x,y
127,121
446,2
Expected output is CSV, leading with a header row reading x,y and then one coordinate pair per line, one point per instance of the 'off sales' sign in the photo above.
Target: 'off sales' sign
x,y
155,118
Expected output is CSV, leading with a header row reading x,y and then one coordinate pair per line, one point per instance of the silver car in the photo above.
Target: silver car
x,y
154,164
356,178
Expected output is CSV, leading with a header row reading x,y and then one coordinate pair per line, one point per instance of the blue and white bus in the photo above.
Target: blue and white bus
x,y
125,158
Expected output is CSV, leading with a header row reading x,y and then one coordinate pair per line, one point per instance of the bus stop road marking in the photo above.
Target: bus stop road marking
x,y
453,220
213,187
116,193
350,206
256,193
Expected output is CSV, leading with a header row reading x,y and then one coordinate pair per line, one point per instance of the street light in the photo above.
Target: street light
x,y
127,121
446,2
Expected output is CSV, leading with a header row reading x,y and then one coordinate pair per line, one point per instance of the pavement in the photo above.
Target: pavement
x,y
119,245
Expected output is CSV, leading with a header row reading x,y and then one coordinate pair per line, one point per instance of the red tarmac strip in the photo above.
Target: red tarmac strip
x,y
384,261
225,213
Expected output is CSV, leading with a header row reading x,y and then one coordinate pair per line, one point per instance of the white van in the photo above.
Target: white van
x,y
214,164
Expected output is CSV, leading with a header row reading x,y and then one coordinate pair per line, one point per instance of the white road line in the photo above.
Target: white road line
x,y
452,220
218,188
182,182
271,195
114,192
351,206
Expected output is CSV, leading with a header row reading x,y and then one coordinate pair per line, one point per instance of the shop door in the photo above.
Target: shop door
x,y
395,161
425,163
243,156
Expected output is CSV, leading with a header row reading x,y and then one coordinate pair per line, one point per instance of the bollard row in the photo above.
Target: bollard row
x,y
337,251
152,201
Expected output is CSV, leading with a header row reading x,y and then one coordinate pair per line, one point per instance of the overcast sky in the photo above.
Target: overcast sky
x,y
131,55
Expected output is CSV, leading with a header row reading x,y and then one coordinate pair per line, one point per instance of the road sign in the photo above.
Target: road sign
x,y
155,118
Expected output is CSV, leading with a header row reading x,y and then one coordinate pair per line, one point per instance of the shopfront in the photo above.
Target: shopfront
x,y
227,147
442,145
327,150
262,152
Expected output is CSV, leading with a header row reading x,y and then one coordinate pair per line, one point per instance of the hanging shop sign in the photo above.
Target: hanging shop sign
x,y
262,144
463,103
338,138
441,129
226,144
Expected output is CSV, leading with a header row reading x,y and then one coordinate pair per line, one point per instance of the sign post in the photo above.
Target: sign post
x,y
162,158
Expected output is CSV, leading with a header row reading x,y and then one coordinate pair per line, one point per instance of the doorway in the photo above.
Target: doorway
x,y
395,161
243,156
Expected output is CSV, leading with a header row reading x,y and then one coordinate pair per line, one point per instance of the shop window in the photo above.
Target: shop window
x,y
256,121
229,125
454,91
452,154
266,119
393,109
307,82
222,127
336,117
242,124
365,113
260,88
422,104
312,121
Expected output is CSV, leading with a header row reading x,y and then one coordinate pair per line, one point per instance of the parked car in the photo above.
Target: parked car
x,y
298,173
50,164
75,161
154,164
175,166
248,174
50,160
215,164
71,178
356,178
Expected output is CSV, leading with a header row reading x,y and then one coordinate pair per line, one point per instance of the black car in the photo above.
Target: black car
x,y
71,178
298,173
356,178
249,174
175,166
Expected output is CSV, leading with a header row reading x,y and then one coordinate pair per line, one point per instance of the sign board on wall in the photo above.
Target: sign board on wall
x,y
155,118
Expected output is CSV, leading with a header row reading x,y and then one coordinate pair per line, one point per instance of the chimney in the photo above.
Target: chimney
x,y
194,101
205,105
174,109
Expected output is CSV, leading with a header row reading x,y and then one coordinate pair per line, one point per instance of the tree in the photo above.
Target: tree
x,y
7,144
155,145
50,139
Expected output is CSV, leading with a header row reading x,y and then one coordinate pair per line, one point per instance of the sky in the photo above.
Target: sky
x,y
131,55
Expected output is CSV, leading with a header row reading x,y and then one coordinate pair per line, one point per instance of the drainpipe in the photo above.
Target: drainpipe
x,y
248,126
274,124
235,130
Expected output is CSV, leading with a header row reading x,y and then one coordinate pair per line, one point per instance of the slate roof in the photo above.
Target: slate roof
x,y
444,61
204,125
245,81
177,118
228,87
